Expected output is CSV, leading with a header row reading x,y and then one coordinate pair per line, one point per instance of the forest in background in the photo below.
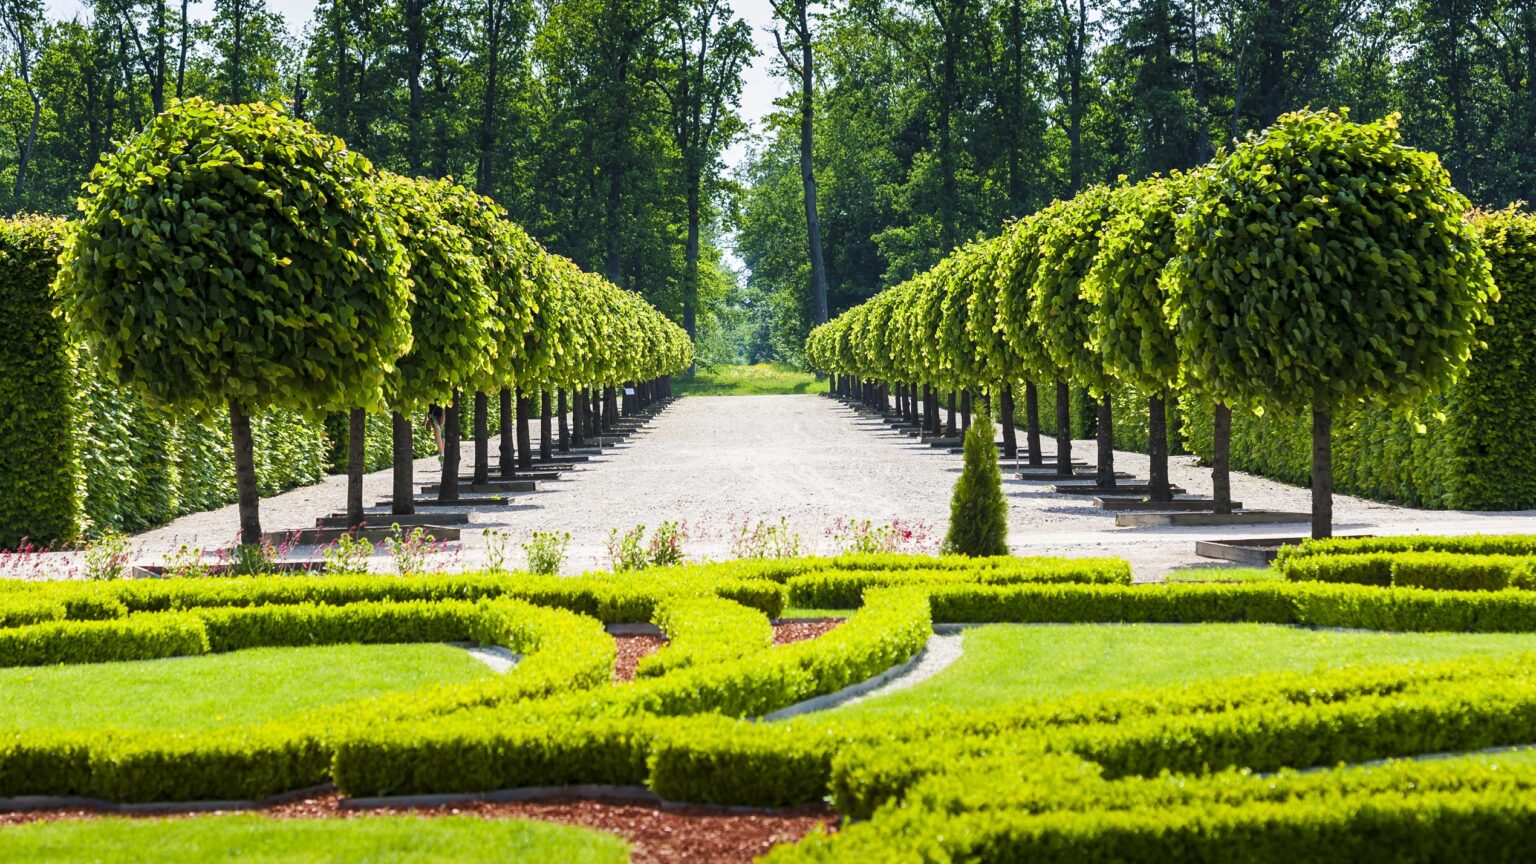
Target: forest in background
x,y
938,121
602,125
598,124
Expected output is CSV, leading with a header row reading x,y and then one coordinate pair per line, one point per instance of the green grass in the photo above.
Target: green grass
x,y
364,840
242,687
764,379
1004,663
1225,574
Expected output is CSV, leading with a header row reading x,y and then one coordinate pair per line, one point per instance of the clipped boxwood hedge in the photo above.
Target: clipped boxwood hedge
x,y
38,497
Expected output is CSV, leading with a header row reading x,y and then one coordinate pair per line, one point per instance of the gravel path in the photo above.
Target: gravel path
x,y
717,464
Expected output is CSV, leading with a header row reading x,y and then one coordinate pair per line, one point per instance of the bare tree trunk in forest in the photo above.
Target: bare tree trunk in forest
x,y
18,31
247,493
796,14
181,62
415,51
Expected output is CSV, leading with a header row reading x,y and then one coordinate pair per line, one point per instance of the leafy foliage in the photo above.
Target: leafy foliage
x,y
235,253
1322,264
37,453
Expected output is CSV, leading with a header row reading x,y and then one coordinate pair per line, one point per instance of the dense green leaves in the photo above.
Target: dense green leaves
x,y
1322,264
234,253
1129,327
37,455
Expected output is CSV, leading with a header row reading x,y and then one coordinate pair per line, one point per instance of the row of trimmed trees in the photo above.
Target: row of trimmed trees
x,y
231,258
1315,266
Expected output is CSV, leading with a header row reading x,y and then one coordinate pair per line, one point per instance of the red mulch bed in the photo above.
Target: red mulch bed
x,y
658,833
631,650
801,629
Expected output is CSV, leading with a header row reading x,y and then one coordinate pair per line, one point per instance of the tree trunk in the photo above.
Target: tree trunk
x,y
1032,424
965,412
1064,430
949,424
448,487
807,163
508,448
1221,459
1010,432
1157,450
357,428
482,439
1322,473
1106,474
546,427
565,429
524,440
246,490
578,418
404,452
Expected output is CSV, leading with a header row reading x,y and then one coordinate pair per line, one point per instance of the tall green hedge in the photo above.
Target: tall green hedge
x,y
37,455
1472,448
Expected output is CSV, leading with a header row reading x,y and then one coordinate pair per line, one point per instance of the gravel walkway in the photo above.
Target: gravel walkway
x,y
718,464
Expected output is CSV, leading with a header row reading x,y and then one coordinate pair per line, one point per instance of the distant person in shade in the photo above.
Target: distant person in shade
x,y
435,415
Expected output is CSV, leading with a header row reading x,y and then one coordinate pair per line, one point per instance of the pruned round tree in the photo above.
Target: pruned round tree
x,y
231,257
1061,314
1130,331
1323,265
454,338
1018,262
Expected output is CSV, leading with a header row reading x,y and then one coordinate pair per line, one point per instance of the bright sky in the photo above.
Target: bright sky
x,y
758,93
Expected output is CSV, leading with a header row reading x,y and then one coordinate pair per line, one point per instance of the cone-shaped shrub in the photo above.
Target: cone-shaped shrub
x,y
978,515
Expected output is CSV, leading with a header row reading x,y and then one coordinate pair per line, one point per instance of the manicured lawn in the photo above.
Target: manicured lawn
x,y
242,687
764,379
1009,663
381,839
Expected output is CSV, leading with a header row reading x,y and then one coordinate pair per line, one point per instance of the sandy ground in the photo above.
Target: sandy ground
x,y
721,464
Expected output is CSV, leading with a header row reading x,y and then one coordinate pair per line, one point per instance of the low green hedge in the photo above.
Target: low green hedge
x,y
561,652
844,589
702,630
1300,603
1447,571
603,596
140,637
1472,544
606,735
